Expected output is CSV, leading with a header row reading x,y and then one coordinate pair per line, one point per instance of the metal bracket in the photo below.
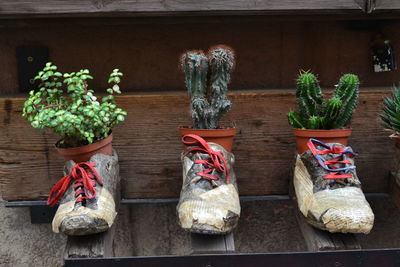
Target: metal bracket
x,y
39,211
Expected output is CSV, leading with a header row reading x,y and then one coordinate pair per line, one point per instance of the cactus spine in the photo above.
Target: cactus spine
x,y
318,113
209,101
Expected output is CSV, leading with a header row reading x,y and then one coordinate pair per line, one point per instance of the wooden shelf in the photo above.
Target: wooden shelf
x,y
101,8
384,6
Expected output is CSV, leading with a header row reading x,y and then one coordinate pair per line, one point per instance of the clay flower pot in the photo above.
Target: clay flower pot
x,y
327,136
84,153
223,137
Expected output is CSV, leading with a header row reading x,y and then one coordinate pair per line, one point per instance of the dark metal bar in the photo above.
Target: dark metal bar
x,y
16,204
364,258
23,204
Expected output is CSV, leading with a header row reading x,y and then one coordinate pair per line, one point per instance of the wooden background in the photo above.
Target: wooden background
x,y
270,53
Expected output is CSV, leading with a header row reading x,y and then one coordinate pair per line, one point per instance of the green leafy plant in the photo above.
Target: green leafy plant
x,y
65,104
207,79
391,111
315,112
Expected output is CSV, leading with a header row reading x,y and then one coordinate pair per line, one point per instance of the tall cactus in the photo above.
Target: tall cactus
x,y
309,96
318,113
195,66
209,100
347,91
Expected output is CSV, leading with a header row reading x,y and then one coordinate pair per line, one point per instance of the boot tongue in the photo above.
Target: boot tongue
x,y
317,172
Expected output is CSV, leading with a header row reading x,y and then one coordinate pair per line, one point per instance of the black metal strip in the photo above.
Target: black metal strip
x,y
364,258
23,204
16,204
172,200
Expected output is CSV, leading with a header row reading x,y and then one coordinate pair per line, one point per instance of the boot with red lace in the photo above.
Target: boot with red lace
x,y
209,200
87,195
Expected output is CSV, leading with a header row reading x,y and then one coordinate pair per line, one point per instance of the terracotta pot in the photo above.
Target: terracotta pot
x,y
223,137
327,136
83,153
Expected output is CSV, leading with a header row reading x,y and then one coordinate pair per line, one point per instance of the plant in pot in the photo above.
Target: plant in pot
x,y
323,119
83,122
207,79
209,200
391,114
391,121
88,192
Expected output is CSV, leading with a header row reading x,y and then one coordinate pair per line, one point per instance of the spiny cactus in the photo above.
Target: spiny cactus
x,y
209,101
347,91
309,96
318,113
391,111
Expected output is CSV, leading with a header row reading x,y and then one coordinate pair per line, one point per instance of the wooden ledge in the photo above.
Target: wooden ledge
x,y
102,8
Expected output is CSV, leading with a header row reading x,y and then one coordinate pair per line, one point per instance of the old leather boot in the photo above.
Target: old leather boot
x,y
87,196
209,201
328,190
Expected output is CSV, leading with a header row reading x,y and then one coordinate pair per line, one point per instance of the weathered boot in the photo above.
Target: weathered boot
x,y
328,190
209,201
87,195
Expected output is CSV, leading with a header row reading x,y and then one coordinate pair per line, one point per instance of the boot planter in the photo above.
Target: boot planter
x,y
223,137
328,190
209,200
340,136
84,153
87,196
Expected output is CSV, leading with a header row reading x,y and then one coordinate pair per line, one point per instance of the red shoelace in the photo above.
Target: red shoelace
x,y
83,175
216,161
329,165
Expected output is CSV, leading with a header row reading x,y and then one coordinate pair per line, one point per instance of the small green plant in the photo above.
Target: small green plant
x,y
207,79
391,111
65,104
315,112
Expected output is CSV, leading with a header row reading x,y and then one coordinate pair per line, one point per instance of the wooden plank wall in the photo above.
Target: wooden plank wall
x,y
149,146
269,52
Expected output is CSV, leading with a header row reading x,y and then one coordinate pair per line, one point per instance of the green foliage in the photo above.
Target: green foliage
x,y
65,104
391,111
207,79
318,113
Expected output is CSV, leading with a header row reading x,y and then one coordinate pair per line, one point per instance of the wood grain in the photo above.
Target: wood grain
x,y
91,246
269,53
44,8
319,240
149,147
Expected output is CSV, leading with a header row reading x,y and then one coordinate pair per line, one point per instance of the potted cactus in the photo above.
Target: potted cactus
x,y
83,122
207,78
323,119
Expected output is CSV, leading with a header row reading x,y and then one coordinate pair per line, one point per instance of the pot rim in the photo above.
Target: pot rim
x,y
209,132
73,150
343,132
